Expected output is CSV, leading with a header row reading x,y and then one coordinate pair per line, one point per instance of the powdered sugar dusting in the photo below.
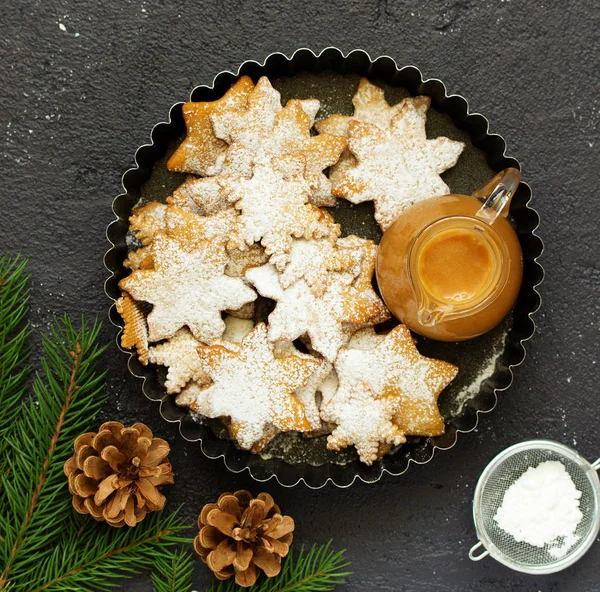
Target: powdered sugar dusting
x,y
187,288
362,419
329,320
396,167
255,389
180,355
385,367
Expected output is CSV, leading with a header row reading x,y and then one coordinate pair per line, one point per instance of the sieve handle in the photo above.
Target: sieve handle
x,y
474,548
596,465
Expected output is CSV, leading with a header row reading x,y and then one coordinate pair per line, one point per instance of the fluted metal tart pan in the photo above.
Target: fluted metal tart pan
x,y
486,363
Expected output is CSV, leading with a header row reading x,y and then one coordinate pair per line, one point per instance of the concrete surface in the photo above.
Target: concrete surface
x,y
83,82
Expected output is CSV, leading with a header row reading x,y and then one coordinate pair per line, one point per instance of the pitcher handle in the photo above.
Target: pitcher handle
x,y
596,465
497,194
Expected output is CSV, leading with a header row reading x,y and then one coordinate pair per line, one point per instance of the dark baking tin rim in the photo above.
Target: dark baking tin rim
x,y
527,220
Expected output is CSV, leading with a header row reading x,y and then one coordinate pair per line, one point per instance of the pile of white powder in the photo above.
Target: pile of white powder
x,y
542,508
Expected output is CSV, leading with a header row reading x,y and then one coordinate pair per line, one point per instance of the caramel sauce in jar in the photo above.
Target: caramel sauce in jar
x,y
448,269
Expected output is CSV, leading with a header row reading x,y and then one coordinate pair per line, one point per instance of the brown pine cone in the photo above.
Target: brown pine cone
x,y
239,534
117,474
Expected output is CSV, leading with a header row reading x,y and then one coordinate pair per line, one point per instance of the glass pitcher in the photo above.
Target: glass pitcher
x,y
451,267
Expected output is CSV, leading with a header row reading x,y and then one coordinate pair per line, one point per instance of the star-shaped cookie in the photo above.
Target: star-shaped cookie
x,y
180,355
314,259
397,167
187,287
254,388
176,222
264,128
391,366
205,195
201,152
329,320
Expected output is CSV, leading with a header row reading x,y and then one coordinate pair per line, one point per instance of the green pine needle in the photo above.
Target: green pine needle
x,y
14,347
44,545
96,556
174,575
66,398
317,570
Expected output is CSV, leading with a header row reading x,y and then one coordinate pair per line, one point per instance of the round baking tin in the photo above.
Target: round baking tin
x,y
521,328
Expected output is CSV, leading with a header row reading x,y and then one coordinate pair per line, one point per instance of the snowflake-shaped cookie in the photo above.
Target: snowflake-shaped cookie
x,y
264,128
180,355
397,167
328,320
307,394
314,260
370,106
176,222
201,152
255,389
205,196
273,207
187,287
362,419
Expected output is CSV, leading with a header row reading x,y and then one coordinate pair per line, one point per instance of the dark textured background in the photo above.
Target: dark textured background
x,y
75,104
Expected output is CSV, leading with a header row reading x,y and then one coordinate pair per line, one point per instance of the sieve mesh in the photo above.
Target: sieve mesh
x,y
501,475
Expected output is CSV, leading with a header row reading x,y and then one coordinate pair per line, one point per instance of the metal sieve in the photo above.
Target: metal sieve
x,y
500,474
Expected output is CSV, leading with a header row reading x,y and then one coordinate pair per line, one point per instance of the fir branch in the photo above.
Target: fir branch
x,y
95,556
317,570
14,348
173,574
67,399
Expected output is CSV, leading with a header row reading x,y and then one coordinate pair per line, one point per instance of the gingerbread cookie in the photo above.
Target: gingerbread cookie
x,y
187,287
397,167
329,320
363,418
255,389
176,222
205,196
201,152
370,106
273,207
135,331
190,228
180,355
266,129
391,366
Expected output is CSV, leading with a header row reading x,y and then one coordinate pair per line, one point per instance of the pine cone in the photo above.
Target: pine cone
x,y
239,534
117,474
